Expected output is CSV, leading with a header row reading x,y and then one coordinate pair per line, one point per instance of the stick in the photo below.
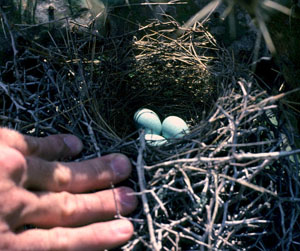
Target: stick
x,y
141,177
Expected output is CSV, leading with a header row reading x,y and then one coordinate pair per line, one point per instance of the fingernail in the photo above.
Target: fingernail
x,y
73,143
127,198
121,166
124,227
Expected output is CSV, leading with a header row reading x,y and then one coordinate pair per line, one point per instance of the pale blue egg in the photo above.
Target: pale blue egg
x,y
155,140
174,127
149,120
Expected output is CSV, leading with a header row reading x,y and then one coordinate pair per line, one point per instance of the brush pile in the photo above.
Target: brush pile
x,y
232,183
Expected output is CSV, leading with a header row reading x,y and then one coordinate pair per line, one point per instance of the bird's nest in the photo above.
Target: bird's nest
x,y
231,183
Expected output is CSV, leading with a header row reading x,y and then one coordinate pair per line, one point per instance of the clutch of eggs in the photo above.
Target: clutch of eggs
x,y
172,127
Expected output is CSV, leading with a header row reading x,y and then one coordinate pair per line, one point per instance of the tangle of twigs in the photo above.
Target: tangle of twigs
x,y
231,183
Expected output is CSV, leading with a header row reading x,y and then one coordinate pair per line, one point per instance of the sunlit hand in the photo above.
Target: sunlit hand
x,y
36,190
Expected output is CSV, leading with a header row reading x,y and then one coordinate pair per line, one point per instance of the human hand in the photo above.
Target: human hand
x,y
36,190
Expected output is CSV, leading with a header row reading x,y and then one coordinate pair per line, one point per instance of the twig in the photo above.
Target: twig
x,y
13,44
92,134
142,182
218,160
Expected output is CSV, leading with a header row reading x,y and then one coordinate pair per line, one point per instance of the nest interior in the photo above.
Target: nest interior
x,y
154,70
232,183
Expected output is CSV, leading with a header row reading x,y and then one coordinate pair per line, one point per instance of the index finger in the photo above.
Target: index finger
x,y
50,148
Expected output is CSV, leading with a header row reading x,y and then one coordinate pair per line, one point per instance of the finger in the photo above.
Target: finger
x,y
50,147
76,177
98,236
65,209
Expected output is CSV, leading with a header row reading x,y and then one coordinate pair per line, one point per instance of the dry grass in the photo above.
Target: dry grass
x,y
232,183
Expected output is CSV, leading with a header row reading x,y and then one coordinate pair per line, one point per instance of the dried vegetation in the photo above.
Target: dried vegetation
x,y
231,184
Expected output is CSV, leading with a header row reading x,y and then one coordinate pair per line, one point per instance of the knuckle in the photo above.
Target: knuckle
x,y
62,177
68,207
12,163
9,136
13,139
